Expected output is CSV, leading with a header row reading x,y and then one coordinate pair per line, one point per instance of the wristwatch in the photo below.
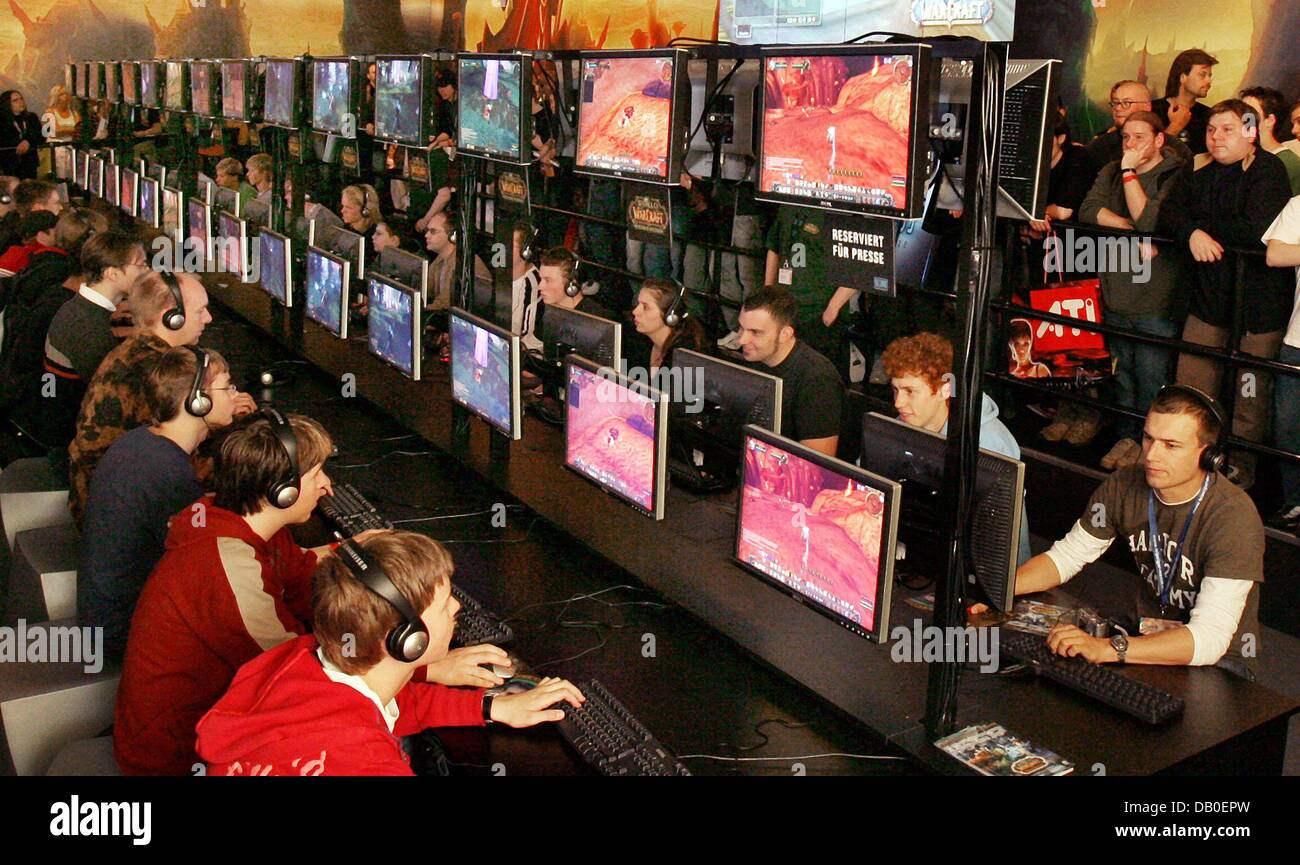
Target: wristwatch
x,y
487,708
1119,643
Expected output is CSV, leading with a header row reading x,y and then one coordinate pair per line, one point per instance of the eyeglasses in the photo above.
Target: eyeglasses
x,y
230,388
1129,103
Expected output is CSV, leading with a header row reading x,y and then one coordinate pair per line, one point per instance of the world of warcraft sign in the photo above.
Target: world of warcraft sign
x,y
648,212
512,190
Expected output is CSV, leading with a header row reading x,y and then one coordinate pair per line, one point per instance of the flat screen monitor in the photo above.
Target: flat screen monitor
x,y
157,171
130,74
818,529
236,88
403,99
566,331
149,90
839,128
81,164
172,209
327,291
149,201
634,109
615,434
282,93
485,371
408,268
345,244
492,87
256,213
763,22
129,200
112,81
70,79
205,88
276,264
232,245
914,457
334,97
112,183
394,325
177,86
227,200
94,80
199,237
95,176
732,395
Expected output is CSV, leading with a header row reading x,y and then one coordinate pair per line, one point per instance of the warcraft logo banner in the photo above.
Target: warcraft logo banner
x,y
417,166
512,190
649,212
348,158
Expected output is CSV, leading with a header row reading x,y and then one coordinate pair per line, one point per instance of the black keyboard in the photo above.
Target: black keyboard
x,y
611,739
1140,700
476,626
349,512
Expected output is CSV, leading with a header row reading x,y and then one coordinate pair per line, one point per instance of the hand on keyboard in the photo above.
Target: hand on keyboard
x,y
1071,642
543,703
460,667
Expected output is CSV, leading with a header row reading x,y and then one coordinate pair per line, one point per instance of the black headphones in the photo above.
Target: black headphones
x,y
174,318
677,311
1213,457
198,403
407,641
529,250
284,492
573,288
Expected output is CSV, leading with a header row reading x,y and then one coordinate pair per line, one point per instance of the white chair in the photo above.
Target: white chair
x,y
45,705
88,757
31,497
43,581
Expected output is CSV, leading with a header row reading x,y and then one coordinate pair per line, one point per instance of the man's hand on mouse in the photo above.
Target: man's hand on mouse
x,y
535,706
462,667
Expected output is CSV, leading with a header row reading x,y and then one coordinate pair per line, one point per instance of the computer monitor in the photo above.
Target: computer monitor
x,y
129,200
149,201
404,99
199,224
818,529
283,92
345,244
176,84
95,176
226,199
112,83
327,291
150,94
205,88
70,77
232,245
615,434
157,171
492,87
408,268
915,458
565,331
335,96
634,111
485,371
394,325
256,213
275,260
62,189
65,164
130,75
94,80
112,183
173,202
207,188
839,128
238,89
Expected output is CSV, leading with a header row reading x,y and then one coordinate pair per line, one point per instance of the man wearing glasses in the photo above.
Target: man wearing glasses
x,y
1125,98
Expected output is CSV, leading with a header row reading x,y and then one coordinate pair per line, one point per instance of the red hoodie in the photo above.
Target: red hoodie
x,y
284,716
219,597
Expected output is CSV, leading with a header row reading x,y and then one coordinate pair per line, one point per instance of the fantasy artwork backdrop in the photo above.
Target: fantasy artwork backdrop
x,y
1100,41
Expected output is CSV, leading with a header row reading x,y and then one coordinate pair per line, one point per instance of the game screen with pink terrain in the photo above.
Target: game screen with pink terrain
x,y
837,129
625,116
817,532
611,434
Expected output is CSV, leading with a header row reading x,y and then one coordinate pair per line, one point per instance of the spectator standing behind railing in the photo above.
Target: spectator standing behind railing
x,y
1126,97
1283,239
1190,77
20,135
62,118
1128,194
1270,106
1231,202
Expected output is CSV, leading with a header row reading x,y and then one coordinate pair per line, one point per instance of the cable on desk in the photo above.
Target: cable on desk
x,y
722,759
758,730
514,614
441,517
382,458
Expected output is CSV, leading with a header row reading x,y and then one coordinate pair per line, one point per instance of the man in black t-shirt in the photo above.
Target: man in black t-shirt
x,y
1185,118
811,392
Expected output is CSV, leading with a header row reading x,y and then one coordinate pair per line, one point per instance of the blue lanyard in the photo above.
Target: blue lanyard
x,y
1165,571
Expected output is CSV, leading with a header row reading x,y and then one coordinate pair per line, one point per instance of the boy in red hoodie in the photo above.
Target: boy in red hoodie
x,y
337,702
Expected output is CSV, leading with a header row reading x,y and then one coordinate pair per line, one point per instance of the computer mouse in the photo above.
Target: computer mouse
x,y
517,685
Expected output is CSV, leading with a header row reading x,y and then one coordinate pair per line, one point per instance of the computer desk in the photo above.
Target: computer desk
x,y
1230,725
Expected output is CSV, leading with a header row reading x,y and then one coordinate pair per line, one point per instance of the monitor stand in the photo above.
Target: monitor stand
x,y
461,418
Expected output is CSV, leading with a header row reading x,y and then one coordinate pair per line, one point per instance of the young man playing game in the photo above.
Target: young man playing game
x,y
338,701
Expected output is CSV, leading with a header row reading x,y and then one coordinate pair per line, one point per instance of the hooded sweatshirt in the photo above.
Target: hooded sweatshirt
x,y
994,436
219,597
290,712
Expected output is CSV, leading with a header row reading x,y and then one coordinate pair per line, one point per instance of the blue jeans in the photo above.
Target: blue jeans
x,y
1140,369
1286,398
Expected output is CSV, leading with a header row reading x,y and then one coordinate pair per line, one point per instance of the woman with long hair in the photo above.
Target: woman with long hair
x,y
20,135
60,114
653,304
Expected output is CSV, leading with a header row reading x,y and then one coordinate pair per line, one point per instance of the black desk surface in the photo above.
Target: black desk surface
x,y
698,690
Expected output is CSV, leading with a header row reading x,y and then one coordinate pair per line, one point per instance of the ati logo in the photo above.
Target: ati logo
x,y
511,186
949,13
647,214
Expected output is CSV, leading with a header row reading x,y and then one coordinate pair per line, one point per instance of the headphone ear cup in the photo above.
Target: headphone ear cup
x,y
1212,459
284,495
174,319
200,405
407,642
